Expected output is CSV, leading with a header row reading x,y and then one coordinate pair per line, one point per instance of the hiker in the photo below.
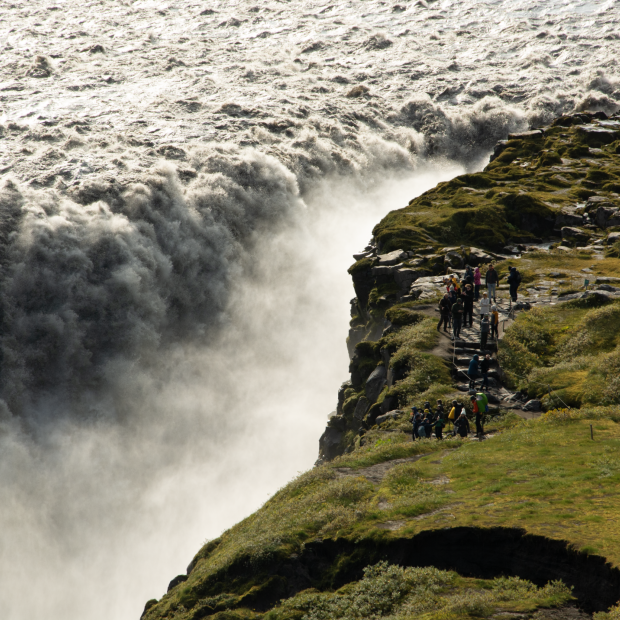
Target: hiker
x,y
421,427
468,305
514,279
427,423
485,305
468,278
477,283
439,426
472,372
462,425
491,279
439,412
417,421
485,364
480,404
444,312
485,328
457,318
494,323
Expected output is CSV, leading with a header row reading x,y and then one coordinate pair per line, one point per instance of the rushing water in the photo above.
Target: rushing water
x,y
182,185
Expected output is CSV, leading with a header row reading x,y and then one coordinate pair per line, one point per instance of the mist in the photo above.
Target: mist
x,y
98,514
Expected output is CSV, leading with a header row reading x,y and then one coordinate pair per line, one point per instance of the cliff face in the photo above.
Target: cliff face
x,y
547,203
386,526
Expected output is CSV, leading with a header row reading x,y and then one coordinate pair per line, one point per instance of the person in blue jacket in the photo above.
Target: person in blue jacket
x,y
472,372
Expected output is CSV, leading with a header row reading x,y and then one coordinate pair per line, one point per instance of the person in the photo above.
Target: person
x,y
468,305
462,425
491,279
457,318
494,323
421,427
480,405
477,283
485,328
472,372
439,426
444,312
417,421
514,279
468,278
439,412
485,364
427,423
485,305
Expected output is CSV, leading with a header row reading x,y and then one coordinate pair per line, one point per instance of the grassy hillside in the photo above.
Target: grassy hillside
x,y
546,476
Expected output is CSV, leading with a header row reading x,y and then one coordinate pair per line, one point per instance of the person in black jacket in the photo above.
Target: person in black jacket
x,y
462,425
485,364
445,305
514,279
468,305
491,279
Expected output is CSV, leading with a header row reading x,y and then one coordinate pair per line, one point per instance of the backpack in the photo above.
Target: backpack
x,y
518,277
421,431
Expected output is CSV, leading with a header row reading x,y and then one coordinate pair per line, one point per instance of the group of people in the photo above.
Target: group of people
x,y
425,421
456,308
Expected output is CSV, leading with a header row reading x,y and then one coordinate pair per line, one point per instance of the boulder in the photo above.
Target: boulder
x,y
574,234
406,277
532,405
607,216
375,383
607,280
523,305
568,217
613,237
391,415
329,443
500,147
361,409
388,404
594,135
453,259
607,287
346,385
384,270
392,258
479,257
524,135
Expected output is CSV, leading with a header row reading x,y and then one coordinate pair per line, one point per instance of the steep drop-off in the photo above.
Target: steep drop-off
x,y
523,519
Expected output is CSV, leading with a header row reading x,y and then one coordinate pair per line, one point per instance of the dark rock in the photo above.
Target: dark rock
x,y
454,259
607,287
597,136
329,443
361,409
478,257
535,134
568,217
176,581
375,383
607,216
338,422
389,403
500,147
406,277
532,405
523,305
346,385
607,280
574,234
613,237
392,415
392,258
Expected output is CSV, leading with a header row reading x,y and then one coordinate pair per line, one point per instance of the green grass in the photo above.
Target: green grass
x,y
567,354
546,476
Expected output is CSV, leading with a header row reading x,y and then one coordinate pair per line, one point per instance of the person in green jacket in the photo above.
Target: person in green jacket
x,y
480,404
439,425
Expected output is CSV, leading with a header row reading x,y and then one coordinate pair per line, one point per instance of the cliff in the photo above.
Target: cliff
x,y
520,520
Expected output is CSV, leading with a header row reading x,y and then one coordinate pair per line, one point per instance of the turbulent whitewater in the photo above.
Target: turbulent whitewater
x,y
181,187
